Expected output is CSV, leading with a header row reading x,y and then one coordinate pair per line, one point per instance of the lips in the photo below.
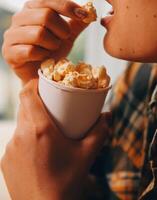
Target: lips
x,y
108,18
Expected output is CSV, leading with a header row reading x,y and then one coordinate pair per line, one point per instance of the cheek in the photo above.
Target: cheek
x,y
132,35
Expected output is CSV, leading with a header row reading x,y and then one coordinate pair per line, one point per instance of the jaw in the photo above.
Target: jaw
x,y
130,36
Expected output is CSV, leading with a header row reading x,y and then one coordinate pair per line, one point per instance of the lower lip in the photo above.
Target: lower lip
x,y
106,20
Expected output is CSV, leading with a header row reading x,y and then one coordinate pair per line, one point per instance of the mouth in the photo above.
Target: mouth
x,y
105,21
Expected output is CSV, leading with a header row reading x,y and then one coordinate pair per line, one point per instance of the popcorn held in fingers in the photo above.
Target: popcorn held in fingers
x,y
81,75
92,15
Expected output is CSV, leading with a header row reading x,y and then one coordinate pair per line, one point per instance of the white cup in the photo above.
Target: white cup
x,y
74,110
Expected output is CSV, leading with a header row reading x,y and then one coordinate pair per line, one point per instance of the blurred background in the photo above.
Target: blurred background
x,y
88,47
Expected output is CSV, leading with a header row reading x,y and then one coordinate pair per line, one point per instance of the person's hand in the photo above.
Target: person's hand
x,y
40,163
39,32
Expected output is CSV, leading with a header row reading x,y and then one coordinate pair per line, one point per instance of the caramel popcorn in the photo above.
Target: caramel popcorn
x,y
92,15
81,75
99,73
48,67
71,79
64,66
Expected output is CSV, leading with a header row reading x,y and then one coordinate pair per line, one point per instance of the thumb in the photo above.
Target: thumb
x,y
66,8
32,106
98,136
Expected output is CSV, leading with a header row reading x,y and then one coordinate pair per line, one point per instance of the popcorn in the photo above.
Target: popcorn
x,y
85,81
102,83
71,79
64,66
56,76
47,68
81,75
48,72
92,15
49,63
83,68
99,72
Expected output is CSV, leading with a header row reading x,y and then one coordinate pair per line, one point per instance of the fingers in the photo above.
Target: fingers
x,y
43,17
32,35
97,136
64,7
20,54
38,32
76,28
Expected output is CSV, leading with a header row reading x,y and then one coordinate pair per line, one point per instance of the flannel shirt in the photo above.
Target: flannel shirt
x,y
126,168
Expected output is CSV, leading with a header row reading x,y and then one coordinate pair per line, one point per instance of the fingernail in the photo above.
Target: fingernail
x,y
81,13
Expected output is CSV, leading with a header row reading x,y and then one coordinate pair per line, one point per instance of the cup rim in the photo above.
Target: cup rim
x,y
72,89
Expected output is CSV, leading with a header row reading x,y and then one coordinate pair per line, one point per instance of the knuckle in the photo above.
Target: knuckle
x,y
6,53
41,128
67,33
66,6
29,51
40,33
46,16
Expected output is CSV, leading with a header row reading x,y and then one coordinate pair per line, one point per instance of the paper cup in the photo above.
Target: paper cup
x,y
74,110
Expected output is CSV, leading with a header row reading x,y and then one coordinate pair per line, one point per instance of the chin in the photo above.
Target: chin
x,y
114,49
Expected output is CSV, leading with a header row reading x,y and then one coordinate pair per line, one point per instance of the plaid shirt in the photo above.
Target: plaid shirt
x,y
126,169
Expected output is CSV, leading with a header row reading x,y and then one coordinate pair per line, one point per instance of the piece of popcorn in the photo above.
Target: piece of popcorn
x,y
103,83
70,79
49,63
47,73
84,68
92,15
56,76
64,66
85,81
99,72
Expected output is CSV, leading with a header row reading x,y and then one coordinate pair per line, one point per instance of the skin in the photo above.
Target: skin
x,y
132,32
38,32
50,165
36,154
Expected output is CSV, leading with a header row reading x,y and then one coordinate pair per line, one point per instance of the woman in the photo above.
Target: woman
x,y
36,165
